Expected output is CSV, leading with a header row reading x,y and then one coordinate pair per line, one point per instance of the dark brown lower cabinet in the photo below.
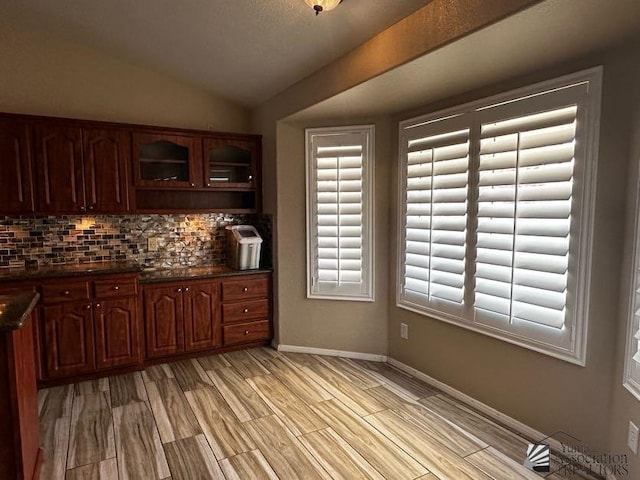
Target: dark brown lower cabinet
x,y
117,333
181,317
19,423
68,339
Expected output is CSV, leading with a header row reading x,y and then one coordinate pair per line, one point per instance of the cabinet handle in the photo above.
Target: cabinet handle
x,y
90,207
193,184
179,290
246,332
246,310
66,292
88,307
245,289
208,184
186,289
116,288
83,208
98,305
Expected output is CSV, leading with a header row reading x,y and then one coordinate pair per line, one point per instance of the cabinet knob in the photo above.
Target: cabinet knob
x,y
179,290
208,184
246,332
98,305
91,207
88,307
245,289
246,310
193,184
83,208
186,289
66,292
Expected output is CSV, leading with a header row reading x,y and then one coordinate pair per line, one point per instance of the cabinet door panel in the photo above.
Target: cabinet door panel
x,y
167,160
16,195
106,162
68,339
59,168
201,323
164,321
117,337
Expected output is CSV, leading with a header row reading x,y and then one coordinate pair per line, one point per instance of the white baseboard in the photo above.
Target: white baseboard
x,y
491,412
332,353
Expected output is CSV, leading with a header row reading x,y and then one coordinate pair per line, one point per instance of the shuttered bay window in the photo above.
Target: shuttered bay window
x,y
339,226
496,206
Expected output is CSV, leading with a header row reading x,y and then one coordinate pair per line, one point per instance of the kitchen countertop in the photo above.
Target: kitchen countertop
x,y
15,309
147,275
157,275
71,270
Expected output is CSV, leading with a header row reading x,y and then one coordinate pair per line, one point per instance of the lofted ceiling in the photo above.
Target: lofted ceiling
x,y
243,50
542,36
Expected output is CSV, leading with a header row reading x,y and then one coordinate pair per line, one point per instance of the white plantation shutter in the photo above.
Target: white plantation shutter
x,y
496,207
339,189
437,174
525,193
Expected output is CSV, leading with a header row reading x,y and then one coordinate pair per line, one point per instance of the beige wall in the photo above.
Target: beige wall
x,y
339,325
44,75
549,394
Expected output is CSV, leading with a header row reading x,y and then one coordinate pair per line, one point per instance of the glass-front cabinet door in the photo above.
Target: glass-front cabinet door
x,y
231,163
166,160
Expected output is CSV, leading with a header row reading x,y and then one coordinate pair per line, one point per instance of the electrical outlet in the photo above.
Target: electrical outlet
x,y
404,331
152,244
632,440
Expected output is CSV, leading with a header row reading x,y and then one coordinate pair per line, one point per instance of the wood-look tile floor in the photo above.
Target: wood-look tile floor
x,y
263,414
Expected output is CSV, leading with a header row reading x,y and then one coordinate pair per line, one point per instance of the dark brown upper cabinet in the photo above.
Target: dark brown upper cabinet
x,y
16,193
165,160
58,168
231,163
81,169
107,159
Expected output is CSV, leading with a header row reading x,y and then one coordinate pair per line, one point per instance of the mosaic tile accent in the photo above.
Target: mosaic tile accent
x,y
183,240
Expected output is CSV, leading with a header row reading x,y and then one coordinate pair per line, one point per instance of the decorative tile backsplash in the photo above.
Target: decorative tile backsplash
x,y
183,240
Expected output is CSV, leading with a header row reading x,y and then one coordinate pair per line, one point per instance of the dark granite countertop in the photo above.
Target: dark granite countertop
x,y
157,275
72,270
15,309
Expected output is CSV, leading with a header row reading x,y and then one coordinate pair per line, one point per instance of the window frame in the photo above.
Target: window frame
x,y
585,192
368,160
629,381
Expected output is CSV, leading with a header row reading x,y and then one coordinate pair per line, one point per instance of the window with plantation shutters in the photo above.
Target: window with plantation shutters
x,y
632,360
338,215
496,211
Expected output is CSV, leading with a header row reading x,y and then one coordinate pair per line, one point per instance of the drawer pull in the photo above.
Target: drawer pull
x,y
98,305
245,289
246,332
116,288
66,292
246,310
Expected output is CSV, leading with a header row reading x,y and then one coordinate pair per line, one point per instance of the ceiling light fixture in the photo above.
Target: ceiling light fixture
x,y
322,5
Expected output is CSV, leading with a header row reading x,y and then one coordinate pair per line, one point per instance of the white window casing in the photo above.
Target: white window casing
x,y
339,164
631,378
496,211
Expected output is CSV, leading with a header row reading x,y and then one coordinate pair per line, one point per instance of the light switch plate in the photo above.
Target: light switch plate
x,y
632,440
404,331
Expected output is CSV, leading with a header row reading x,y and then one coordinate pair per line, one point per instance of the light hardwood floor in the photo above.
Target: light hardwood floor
x,y
263,414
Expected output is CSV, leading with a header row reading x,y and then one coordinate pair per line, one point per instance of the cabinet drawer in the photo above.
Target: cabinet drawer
x,y
245,288
249,310
65,292
246,332
111,288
